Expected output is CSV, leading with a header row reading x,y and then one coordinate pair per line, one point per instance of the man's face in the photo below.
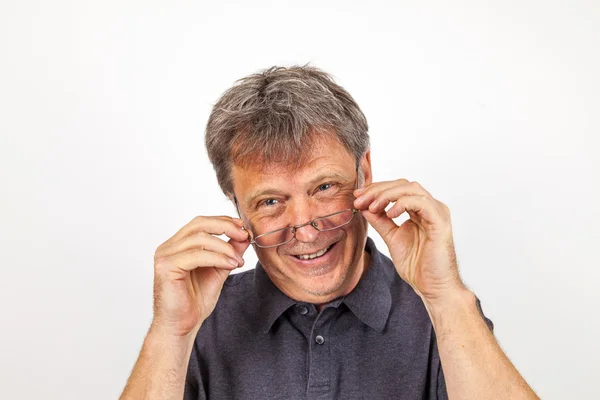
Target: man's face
x,y
279,196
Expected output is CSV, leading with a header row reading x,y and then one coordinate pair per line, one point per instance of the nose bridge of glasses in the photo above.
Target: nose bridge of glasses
x,y
308,234
318,219
312,223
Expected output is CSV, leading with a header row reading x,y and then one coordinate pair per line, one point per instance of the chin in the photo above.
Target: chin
x,y
321,277
323,290
324,284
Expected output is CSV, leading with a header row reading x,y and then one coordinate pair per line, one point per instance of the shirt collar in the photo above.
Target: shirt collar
x,y
272,302
370,301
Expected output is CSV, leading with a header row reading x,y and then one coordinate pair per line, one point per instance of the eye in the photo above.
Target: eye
x,y
268,202
325,186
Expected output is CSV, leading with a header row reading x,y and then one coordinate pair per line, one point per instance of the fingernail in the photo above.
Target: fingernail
x,y
233,262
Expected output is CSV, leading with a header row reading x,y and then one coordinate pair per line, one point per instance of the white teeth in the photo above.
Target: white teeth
x,y
314,255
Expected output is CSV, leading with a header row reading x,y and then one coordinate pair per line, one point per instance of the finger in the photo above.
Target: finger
x,y
422,206
382,224
374,185
420,189
240,247
390,196
375,189
216,225
197,223
195,258
202,241
377,201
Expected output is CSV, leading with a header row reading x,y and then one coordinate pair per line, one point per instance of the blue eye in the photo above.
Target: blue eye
x,y
325,186
269,202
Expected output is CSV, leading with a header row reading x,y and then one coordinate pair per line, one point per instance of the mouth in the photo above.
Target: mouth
x,y
318,257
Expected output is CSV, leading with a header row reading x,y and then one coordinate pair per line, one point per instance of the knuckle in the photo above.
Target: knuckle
x,y
445,208
227,247
201,236
197,254
161,263
161,248
199,219
158,253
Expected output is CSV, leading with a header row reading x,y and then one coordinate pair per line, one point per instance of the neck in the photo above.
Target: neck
x,y
364,264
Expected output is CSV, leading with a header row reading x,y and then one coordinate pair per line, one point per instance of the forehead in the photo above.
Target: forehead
x,y
326,156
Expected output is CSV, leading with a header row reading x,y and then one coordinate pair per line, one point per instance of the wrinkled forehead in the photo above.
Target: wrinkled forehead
x,y
324,158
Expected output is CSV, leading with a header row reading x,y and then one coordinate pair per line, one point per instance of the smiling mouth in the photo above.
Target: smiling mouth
x,y
319,253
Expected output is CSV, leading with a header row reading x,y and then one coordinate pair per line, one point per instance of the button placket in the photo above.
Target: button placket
x,y
320,358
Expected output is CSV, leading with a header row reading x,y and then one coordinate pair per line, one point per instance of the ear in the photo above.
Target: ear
x,y
365,167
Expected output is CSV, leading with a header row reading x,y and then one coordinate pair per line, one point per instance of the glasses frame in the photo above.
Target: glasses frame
x,y
294,228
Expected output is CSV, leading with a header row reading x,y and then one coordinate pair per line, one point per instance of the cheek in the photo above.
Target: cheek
x,y
276,262
267,254
354,235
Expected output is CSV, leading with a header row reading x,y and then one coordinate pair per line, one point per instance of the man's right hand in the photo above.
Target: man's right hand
x,y
189,271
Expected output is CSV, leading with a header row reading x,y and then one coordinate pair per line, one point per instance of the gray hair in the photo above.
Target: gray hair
x,y
275,115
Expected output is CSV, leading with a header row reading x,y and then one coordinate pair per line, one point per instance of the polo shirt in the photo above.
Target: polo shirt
x,y
377,342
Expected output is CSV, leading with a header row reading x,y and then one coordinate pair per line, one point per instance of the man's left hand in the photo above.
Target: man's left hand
x,y
422,248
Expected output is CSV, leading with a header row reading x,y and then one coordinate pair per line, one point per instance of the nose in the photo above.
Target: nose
x,y
303,213
306,233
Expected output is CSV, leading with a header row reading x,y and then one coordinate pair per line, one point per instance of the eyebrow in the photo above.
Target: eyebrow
x,y
318,178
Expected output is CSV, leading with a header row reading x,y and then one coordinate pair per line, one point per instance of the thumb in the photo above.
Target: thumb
x,y
383,224
240,247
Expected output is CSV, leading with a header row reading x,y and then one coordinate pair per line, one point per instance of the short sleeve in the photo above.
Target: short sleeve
x,y
190,392
194,389
442,393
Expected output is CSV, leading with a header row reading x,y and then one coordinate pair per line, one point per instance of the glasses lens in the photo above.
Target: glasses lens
x,y
327,223
275,238
333,221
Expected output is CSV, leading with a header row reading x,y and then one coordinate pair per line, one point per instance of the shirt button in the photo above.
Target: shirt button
x,y
319,339
303,310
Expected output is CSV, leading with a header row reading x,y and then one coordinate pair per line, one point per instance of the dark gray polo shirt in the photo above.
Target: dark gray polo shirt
x,y
375,343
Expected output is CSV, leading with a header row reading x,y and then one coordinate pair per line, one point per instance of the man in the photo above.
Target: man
x,y
324,315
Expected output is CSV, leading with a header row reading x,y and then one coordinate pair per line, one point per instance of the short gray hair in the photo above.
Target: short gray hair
x,y
274,116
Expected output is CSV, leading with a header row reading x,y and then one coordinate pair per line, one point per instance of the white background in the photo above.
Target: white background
x,y
491,105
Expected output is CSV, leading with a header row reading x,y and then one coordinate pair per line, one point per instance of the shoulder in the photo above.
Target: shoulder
x,y
238,290
407,308
242,280
236,306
